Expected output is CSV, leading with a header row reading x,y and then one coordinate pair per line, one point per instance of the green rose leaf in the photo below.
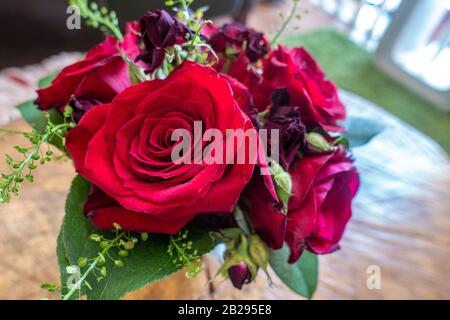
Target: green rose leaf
x,y
147,262
63,262
361,131
301,276
47,80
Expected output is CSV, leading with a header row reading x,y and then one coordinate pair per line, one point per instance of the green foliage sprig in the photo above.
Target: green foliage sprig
x,y
180,249
21,170
95,264
98,17
292,14
123,242
195,47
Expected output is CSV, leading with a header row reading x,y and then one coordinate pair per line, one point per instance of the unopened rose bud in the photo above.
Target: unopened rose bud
x,y
239,275
283,184
317,142
238,266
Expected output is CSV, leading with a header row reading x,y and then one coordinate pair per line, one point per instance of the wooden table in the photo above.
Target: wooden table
x,y
401,224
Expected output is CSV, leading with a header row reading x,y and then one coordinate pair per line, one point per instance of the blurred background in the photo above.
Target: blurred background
x,y
407,40
390,58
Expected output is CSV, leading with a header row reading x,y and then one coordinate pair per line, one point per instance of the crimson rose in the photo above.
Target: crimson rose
x,y
237,36
124,150
98,78
241,69
319,209
296,70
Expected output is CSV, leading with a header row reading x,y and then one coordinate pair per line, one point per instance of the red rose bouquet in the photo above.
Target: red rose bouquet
x,y
186,135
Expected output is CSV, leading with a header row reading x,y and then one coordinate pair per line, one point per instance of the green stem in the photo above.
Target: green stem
x,y
191,45
45,138
92,267
114,29
286,23
185,7
180,252
34,151
87,14
78,284
177,59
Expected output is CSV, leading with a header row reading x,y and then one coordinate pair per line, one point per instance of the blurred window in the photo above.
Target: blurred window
x,y
411,39
365,20
423,46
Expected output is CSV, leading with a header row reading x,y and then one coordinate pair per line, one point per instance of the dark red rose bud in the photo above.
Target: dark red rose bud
x,y
257,46
153,59
159,31
81,106
286,119
235,36
239,275
232,34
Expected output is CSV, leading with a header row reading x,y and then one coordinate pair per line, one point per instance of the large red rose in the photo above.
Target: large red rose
x,y
319,209
296,70
124,149
98,78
